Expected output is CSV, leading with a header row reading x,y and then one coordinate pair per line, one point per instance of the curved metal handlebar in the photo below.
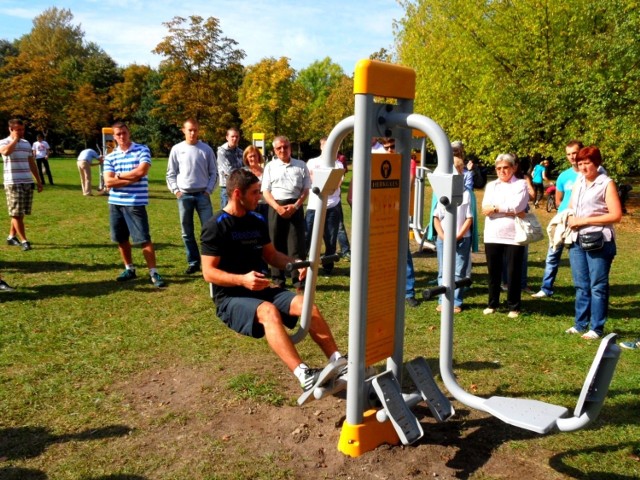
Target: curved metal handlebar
x,y
290,267
430,293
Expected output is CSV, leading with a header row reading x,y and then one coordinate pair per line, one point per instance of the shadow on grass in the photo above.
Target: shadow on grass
x,y
16,473
559,462
30,442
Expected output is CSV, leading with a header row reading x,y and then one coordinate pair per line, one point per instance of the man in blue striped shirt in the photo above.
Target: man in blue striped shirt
x,y
125,175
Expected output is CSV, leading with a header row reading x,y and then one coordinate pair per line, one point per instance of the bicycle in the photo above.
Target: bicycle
x,y
551,197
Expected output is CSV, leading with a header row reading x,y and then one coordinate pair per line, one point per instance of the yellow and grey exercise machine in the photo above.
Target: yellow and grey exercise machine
x,y
377,410
108,145
418,225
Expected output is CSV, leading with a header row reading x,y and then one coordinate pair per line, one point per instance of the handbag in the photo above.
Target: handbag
x,y
528,229
591,240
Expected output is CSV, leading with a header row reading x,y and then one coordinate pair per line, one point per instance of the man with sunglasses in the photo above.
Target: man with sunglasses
x,y
285,186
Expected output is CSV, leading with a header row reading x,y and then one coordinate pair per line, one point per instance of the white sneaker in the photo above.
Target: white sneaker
x,y
540,294
513,314
489,311
591,335
573,331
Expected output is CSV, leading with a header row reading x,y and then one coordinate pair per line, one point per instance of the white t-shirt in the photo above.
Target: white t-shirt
x,y
333,199
463,212
41,149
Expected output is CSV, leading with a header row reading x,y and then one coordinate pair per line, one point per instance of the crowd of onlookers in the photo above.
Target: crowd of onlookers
x,y
586,199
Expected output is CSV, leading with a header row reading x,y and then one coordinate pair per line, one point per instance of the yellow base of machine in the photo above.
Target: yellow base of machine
x,y
370,434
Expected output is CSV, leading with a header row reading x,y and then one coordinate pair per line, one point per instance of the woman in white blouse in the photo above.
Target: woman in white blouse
x,y
596,207
504,199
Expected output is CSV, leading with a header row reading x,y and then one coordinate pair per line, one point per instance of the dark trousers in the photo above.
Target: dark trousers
x,y
513,254
44,162
330,235
288,237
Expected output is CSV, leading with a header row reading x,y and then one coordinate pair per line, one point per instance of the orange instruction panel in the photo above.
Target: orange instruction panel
x,y
383,256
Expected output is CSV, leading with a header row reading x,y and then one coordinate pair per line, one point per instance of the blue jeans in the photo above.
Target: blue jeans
x,y
224,198
463,259
410,290
189,203
590,272
330,236
551,265
343,240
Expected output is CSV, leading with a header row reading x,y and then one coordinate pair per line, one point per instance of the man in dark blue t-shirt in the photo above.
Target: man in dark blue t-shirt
x,y
235,245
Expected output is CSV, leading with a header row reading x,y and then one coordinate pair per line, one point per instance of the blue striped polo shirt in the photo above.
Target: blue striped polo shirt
x,y
119,162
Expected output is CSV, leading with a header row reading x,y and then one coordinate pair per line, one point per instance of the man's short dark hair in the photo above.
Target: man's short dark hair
x,y
241,179
120,124
575,142
15,121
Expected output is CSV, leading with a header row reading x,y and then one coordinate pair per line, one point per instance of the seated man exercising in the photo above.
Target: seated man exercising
x,y
235,245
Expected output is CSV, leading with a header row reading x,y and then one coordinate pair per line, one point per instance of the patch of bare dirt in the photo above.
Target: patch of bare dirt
x,y
188,414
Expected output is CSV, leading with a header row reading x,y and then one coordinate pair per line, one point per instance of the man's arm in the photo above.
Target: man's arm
x,y
279,260
34,171
212,274
7,149
111,180
224,166
172,173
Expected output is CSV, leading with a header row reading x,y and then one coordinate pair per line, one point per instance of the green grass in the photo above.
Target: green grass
x,y
70,333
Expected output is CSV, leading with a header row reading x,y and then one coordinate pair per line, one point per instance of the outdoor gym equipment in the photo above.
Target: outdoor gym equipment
x,y
378,411
108,145
417,223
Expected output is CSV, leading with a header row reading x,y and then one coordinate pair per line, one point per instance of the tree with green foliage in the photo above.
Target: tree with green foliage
x,y
319,80
270,101
201,73
528,76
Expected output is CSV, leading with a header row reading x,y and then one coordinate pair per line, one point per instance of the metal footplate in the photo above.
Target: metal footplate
x,y
404,421
438,403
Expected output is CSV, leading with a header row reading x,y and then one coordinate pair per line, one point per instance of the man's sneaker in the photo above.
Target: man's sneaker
x,y
591,335
13,241
192,269
411,301
346,255
572,331
314,377
4,287
157,280
310,378
540,294
635,345
26,246
126,275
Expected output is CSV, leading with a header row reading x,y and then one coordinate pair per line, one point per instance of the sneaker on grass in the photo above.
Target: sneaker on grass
x,y
13,241
126,275
309,378
635,345
157,280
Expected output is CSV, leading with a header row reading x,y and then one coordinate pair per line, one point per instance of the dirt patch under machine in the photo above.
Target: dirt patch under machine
x,y
190,412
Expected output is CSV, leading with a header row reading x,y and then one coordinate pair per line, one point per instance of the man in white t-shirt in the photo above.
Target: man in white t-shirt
x,y
41,151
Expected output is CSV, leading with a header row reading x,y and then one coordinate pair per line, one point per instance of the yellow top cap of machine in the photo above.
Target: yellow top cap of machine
x,y
381,79
107,130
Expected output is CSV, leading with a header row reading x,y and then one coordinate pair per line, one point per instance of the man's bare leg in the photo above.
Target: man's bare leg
x,y
149,254
319,330
125,252
277,337
17,228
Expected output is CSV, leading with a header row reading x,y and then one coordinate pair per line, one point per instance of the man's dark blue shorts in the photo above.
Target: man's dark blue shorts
x,y
239,312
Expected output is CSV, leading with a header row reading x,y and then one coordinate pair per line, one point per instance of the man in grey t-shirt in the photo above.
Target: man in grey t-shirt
x,y
191,177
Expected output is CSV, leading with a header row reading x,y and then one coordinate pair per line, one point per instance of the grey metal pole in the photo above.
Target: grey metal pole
x,y
361,181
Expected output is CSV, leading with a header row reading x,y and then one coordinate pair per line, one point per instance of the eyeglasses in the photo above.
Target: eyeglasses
x,y
282,147
390,147
503,168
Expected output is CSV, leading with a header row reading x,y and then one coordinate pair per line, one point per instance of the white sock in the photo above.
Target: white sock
x,y
130,267
152,271
334,356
